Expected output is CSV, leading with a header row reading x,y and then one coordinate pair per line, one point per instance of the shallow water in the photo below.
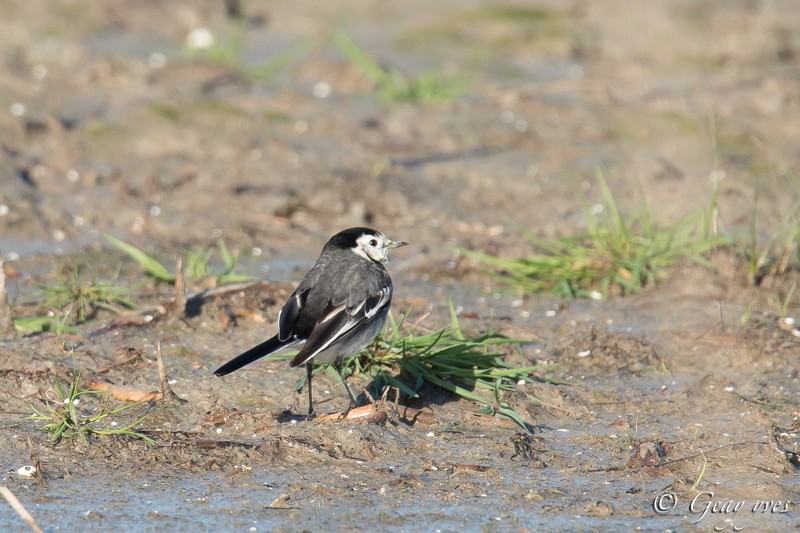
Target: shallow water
x,y
365,498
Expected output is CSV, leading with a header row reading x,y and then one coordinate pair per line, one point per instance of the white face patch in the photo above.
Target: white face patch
x,y
373,247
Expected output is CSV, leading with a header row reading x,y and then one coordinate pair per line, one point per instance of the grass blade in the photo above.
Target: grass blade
x,y
151,267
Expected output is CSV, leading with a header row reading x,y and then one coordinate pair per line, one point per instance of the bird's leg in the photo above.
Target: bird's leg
x,y
309,372
338,366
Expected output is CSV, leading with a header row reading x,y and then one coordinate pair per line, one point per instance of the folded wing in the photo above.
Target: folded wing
x,y
289,314
339,322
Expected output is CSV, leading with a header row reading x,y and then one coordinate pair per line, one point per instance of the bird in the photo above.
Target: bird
x,y
338,308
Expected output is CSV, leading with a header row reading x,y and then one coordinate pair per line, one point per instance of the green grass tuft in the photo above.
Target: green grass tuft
x,y
393,86
449,359
780,253
152,268
617,253
73,413
198,264
230,50
82,296
25,325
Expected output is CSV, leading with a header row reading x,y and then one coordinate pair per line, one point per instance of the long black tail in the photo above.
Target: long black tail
x,y
253,354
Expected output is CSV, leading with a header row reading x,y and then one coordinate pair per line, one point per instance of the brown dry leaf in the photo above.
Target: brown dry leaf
x,y
280,502
228,314
125,393
647,453
378,417
377,413
656,471
471,468
249,314
357,412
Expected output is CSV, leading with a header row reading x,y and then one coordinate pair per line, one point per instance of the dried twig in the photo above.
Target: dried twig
x,y
162,371
37,463
180,289
166,390
20,509
6,318
215,292
132,319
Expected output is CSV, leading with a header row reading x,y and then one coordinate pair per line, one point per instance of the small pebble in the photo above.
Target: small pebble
x,y
322,89
39,72
199,39
301,126
156,60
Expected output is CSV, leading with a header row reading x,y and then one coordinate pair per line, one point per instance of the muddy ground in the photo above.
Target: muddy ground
x,y
274,141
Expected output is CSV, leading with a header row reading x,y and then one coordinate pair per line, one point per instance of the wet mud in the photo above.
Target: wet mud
x,y
656,410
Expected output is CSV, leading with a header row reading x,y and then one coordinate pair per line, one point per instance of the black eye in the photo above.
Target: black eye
x,y
373,242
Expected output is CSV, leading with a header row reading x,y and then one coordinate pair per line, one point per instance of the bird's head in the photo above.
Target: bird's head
x,y
367,243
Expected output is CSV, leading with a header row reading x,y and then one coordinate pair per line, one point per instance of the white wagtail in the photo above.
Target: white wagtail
x,y
338,308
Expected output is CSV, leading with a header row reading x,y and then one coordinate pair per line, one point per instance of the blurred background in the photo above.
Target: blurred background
x,y
274,124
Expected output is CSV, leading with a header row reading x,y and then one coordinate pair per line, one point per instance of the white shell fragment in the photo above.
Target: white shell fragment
x,y
26,471
789,324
